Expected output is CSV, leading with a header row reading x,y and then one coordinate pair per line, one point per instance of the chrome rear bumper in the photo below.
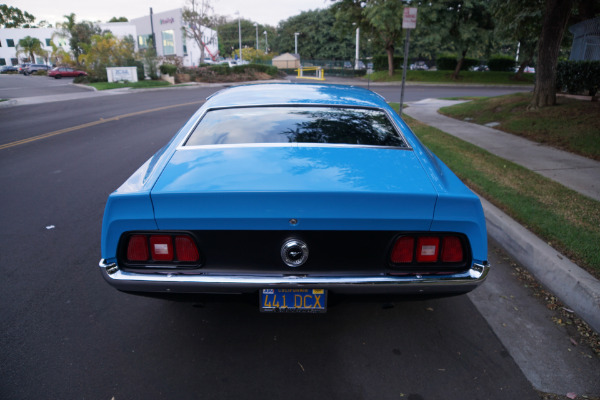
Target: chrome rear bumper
x,y
378,284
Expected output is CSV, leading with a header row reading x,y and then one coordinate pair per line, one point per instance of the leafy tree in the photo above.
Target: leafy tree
x,y
197,15
12,17
229,35
30,46
316,40
106,50
462,26
380,17
79,34
520,22
119,19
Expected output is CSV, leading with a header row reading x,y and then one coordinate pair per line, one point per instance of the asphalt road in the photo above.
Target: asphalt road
x,y
67,334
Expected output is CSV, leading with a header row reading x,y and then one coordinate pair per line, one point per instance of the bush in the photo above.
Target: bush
x,y
168,69
380,63
267,69
576,77
449,61
500,62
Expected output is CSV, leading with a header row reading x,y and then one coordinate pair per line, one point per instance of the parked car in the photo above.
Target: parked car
x,y
60,72
419,65
294,194
32,68
5,69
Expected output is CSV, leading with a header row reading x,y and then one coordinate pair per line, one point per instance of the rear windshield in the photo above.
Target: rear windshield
x,y
335,125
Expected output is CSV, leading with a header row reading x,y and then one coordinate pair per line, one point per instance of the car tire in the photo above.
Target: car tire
x,y
57,76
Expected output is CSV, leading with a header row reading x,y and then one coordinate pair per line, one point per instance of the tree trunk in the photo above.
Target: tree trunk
x,y
519,75
459,66
390,54
555,20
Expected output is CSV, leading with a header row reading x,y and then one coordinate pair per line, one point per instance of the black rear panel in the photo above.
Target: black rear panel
x,y
330,253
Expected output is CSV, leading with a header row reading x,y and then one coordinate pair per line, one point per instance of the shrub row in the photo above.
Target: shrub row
x,y
501,63
449,62
577,77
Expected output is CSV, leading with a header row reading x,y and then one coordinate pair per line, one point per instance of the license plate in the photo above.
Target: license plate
x,y
293,300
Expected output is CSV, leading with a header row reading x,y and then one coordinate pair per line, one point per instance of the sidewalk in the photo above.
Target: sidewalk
x,y
575,287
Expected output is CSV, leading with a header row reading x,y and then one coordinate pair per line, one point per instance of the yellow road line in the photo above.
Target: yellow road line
x,y
89,124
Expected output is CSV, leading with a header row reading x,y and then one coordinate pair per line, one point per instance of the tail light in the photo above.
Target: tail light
x,y
430,249
163,249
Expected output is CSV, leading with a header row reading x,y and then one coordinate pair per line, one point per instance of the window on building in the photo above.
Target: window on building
x,y
2,61
183,40
10,42
144,41
168,38
48,42
14,61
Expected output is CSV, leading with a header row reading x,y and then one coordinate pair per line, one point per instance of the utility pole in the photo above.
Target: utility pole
x,y
357,47
296,42
152,28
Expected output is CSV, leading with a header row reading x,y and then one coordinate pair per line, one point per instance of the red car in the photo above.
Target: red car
x,y
59,72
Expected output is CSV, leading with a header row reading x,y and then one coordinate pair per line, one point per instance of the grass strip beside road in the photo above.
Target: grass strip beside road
x,y
572,125
464,78
134,85
566,220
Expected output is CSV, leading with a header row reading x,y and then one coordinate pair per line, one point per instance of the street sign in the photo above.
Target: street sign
x,y
409,19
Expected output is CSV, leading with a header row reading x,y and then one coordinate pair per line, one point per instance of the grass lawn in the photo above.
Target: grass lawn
x,y
135,85
465,77
563,218
572,125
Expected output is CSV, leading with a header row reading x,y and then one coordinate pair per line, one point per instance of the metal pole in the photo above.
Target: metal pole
x,y
296,42
256,25
152,28
240,36
404,69
357,46
266,42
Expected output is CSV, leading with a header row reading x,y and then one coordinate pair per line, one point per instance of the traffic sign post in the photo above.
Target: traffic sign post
x,y
409,21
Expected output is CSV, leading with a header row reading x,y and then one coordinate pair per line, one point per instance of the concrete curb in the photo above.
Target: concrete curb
x,y
579,290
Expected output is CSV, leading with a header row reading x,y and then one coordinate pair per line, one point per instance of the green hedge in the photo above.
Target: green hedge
x,y
449,61
267,69
380,62
168,69
577,77
501,63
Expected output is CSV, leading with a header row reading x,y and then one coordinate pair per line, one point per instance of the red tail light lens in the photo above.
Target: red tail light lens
x,y
186,249
443,249
452,250
428,249
403,250
161,248
137,249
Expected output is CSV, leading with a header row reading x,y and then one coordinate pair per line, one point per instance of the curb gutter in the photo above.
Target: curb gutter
x,y
575,287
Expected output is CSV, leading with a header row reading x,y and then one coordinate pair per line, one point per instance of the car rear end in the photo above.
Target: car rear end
x,y
291,215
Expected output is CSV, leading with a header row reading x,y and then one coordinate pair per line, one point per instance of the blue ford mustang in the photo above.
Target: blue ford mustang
x,y
294,194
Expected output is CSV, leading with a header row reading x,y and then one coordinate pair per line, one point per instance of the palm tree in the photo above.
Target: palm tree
x,y
30,46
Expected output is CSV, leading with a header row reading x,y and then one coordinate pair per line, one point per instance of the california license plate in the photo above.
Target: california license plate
x,y
293,300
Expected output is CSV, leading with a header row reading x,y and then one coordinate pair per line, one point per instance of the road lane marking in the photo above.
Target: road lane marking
x,y
93,123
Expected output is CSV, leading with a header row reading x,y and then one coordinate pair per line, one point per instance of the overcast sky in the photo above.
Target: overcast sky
x,y
268,12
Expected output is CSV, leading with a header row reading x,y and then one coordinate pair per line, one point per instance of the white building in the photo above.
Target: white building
x,y
171,39
168,31
9,38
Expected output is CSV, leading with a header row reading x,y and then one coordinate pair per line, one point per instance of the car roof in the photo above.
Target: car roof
x,y
295,93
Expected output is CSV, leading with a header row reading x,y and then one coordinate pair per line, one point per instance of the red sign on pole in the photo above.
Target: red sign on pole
x,y
409,19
